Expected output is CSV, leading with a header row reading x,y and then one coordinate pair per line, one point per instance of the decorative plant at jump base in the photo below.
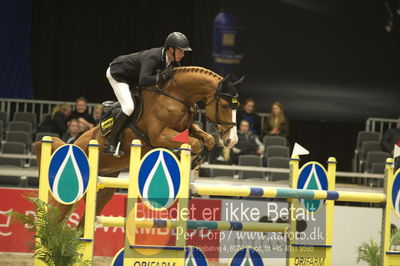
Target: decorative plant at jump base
x,y
370,252
58,242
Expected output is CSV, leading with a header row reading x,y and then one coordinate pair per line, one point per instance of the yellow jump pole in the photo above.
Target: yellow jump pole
x,y
91,200
44,169
294,176
183,197
43,193
329,211
133,194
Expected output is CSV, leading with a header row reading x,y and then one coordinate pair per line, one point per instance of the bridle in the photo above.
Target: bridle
x,y
231,99
233,103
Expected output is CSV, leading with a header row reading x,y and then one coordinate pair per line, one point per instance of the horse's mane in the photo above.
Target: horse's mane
x,y
196,69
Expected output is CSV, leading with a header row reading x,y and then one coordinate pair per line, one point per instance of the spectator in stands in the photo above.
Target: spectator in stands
x,y
391,137
73,132
248,113
248,143
81,113
57,121
97,111
277,123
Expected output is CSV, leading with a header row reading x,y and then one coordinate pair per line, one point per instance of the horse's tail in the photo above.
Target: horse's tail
x,y
37,146
57,142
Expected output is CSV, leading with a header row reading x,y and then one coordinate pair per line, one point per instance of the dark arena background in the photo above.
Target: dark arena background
x,y
331,63
334,65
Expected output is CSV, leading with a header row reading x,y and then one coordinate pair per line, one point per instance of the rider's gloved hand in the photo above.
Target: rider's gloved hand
x,y
166,74
175,64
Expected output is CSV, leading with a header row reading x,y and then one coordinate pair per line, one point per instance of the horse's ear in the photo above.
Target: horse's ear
x,y
223,82
238,82
228,77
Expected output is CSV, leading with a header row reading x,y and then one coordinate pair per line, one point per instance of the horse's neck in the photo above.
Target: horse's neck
x,y
200,86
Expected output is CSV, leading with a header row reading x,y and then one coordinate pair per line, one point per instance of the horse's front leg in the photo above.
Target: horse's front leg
x,y
164,139
198,133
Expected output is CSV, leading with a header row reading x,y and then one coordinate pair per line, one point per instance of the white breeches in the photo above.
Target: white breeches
x,y
123,94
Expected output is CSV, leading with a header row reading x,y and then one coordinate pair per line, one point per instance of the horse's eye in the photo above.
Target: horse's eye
x,y
225,106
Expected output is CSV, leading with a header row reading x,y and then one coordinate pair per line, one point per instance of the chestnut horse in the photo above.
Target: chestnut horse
x,y
166,113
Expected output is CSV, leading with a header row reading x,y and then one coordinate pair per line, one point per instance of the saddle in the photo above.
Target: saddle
x,y
111,110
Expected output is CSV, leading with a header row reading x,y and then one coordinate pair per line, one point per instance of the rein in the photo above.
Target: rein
x,y
193,106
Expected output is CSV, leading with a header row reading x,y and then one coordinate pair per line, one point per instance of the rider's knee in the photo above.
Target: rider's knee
x,y
127,109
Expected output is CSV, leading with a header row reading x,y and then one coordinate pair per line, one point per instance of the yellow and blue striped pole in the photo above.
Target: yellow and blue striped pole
x,y
197,224
286,193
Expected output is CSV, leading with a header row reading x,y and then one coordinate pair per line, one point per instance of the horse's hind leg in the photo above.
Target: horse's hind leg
x,y
103,197
62,208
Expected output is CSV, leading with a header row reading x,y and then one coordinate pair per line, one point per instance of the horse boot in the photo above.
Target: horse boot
x,y
112,146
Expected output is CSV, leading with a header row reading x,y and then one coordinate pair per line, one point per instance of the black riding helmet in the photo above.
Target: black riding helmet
x,y
177,40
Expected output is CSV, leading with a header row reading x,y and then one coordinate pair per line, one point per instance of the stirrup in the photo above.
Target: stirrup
x,y
113,149
117,152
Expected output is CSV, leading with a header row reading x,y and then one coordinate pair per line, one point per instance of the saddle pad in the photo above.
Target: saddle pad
x,y
111,110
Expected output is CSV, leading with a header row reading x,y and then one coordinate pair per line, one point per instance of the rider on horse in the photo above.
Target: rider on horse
x,y
145,68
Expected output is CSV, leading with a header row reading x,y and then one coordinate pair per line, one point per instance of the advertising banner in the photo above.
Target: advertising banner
x,y
108,240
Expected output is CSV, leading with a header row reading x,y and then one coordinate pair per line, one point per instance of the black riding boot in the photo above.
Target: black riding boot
x,y
111,146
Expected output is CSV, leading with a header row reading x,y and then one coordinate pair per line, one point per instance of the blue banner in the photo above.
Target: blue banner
x,y
15,47
226,49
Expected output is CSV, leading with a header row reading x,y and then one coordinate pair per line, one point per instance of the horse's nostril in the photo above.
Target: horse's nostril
x,y
227,142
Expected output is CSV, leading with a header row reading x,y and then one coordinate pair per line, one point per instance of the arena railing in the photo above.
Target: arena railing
x,y
380,125
44,107
33,172
372,124
40,107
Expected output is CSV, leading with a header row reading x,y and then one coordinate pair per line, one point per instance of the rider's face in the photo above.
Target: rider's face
x,y
179,54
